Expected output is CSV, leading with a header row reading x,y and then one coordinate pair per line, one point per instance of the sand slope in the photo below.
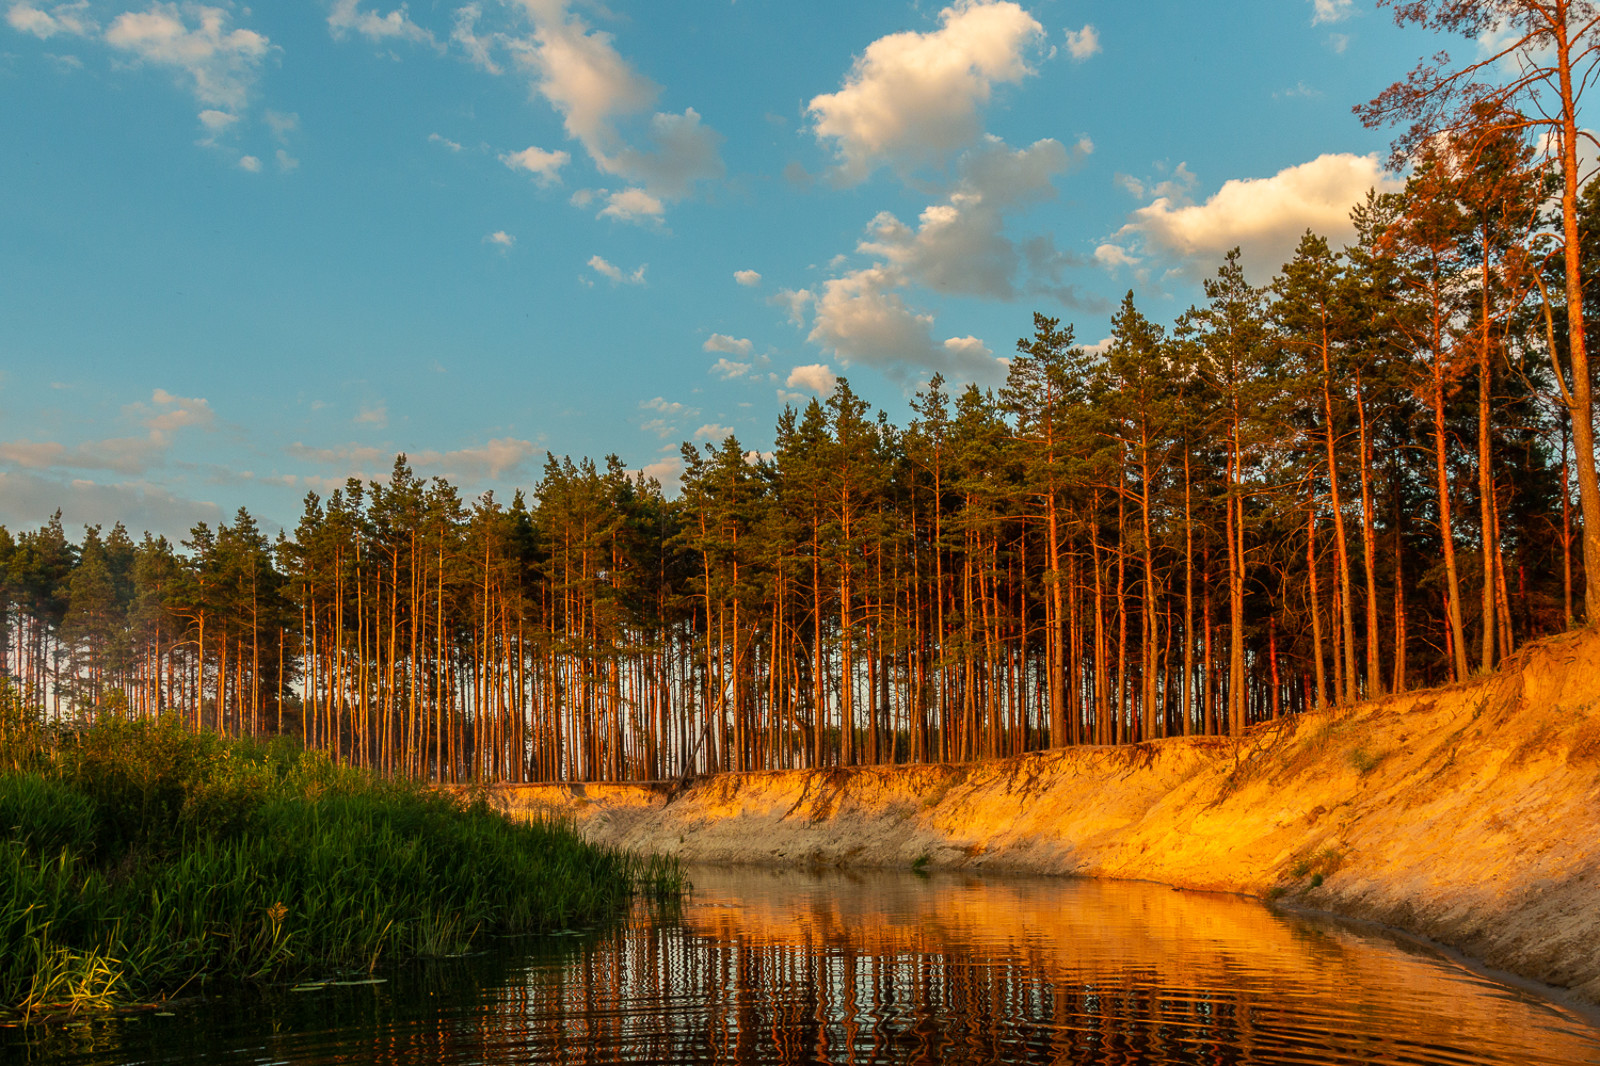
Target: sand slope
x,y
1470,815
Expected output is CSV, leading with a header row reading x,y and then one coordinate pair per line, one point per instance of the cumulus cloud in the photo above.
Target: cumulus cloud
x,y
912,99
632,205
543,165
666,472
727,369
346,17
721,342
579,71
447,143
69,18
664,406
610,270
286,162
500,238
375,415
748,278
1081,44
219,65
818,377
250,163
1331,11
682,152
959,246
713,431
1264,216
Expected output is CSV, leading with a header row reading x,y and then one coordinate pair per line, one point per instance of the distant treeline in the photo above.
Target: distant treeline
x,y
1356,480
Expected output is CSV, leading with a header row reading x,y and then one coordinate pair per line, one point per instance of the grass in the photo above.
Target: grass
x,y
138,859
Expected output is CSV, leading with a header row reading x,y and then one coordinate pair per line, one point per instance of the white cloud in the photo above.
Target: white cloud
x,y
250,163
137,504
665,471
282,124
682,153
959,246
727,369
465,34
376,415
1339,42
1114,257
546,166
713,431
748,278
162,417
173,412
125,455
796,302
219,64
1081,44
818,377
1331,11
286,162
494,460
434,138
615,273
217,121
721,342
1264,216
349,456
912,99
395,26
582,76
632,205
861,319
664,406
500,237
71,18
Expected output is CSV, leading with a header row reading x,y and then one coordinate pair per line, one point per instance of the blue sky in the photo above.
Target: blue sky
x,y
247,252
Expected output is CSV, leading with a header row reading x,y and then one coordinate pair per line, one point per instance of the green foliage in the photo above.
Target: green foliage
x,y
150,858
1363,762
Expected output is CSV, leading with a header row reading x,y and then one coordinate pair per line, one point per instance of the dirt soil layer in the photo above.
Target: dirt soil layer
x,y
1469,815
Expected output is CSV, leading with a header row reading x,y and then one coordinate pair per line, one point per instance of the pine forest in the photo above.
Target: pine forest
x,y
1360,478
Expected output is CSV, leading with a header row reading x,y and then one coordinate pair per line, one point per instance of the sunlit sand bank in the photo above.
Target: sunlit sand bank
x,y
1470,815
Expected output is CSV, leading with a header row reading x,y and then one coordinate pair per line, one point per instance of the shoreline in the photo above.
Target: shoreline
x,y
1467,816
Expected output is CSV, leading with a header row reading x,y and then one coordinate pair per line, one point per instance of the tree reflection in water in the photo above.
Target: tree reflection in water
x,y
796,967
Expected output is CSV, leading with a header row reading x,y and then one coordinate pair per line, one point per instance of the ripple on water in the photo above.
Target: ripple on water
x,y
795,967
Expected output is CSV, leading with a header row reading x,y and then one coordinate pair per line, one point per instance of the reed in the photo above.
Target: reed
x,y
137,859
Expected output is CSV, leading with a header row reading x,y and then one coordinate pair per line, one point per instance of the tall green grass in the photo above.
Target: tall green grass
x,y
137,859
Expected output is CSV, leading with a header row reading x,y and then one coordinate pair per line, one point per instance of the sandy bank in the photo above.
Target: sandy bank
x,y
1469,815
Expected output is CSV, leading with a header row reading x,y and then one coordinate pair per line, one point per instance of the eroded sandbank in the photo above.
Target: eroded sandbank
x,y
1469,815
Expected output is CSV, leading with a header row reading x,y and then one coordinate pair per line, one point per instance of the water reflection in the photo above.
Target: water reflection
x,y
765,967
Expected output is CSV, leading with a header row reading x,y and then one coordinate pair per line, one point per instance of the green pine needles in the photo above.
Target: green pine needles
x,y
138,860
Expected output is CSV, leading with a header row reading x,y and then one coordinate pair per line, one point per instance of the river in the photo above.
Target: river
x,y
764,966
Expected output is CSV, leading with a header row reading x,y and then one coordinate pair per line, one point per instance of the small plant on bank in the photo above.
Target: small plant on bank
x,y
1363,762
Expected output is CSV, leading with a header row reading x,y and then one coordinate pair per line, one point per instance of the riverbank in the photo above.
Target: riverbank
x,y
138,859
1468,815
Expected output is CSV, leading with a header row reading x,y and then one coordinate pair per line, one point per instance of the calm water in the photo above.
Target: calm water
x,y
765,967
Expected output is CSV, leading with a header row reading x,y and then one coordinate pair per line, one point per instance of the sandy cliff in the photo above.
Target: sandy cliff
x,y
1470,815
